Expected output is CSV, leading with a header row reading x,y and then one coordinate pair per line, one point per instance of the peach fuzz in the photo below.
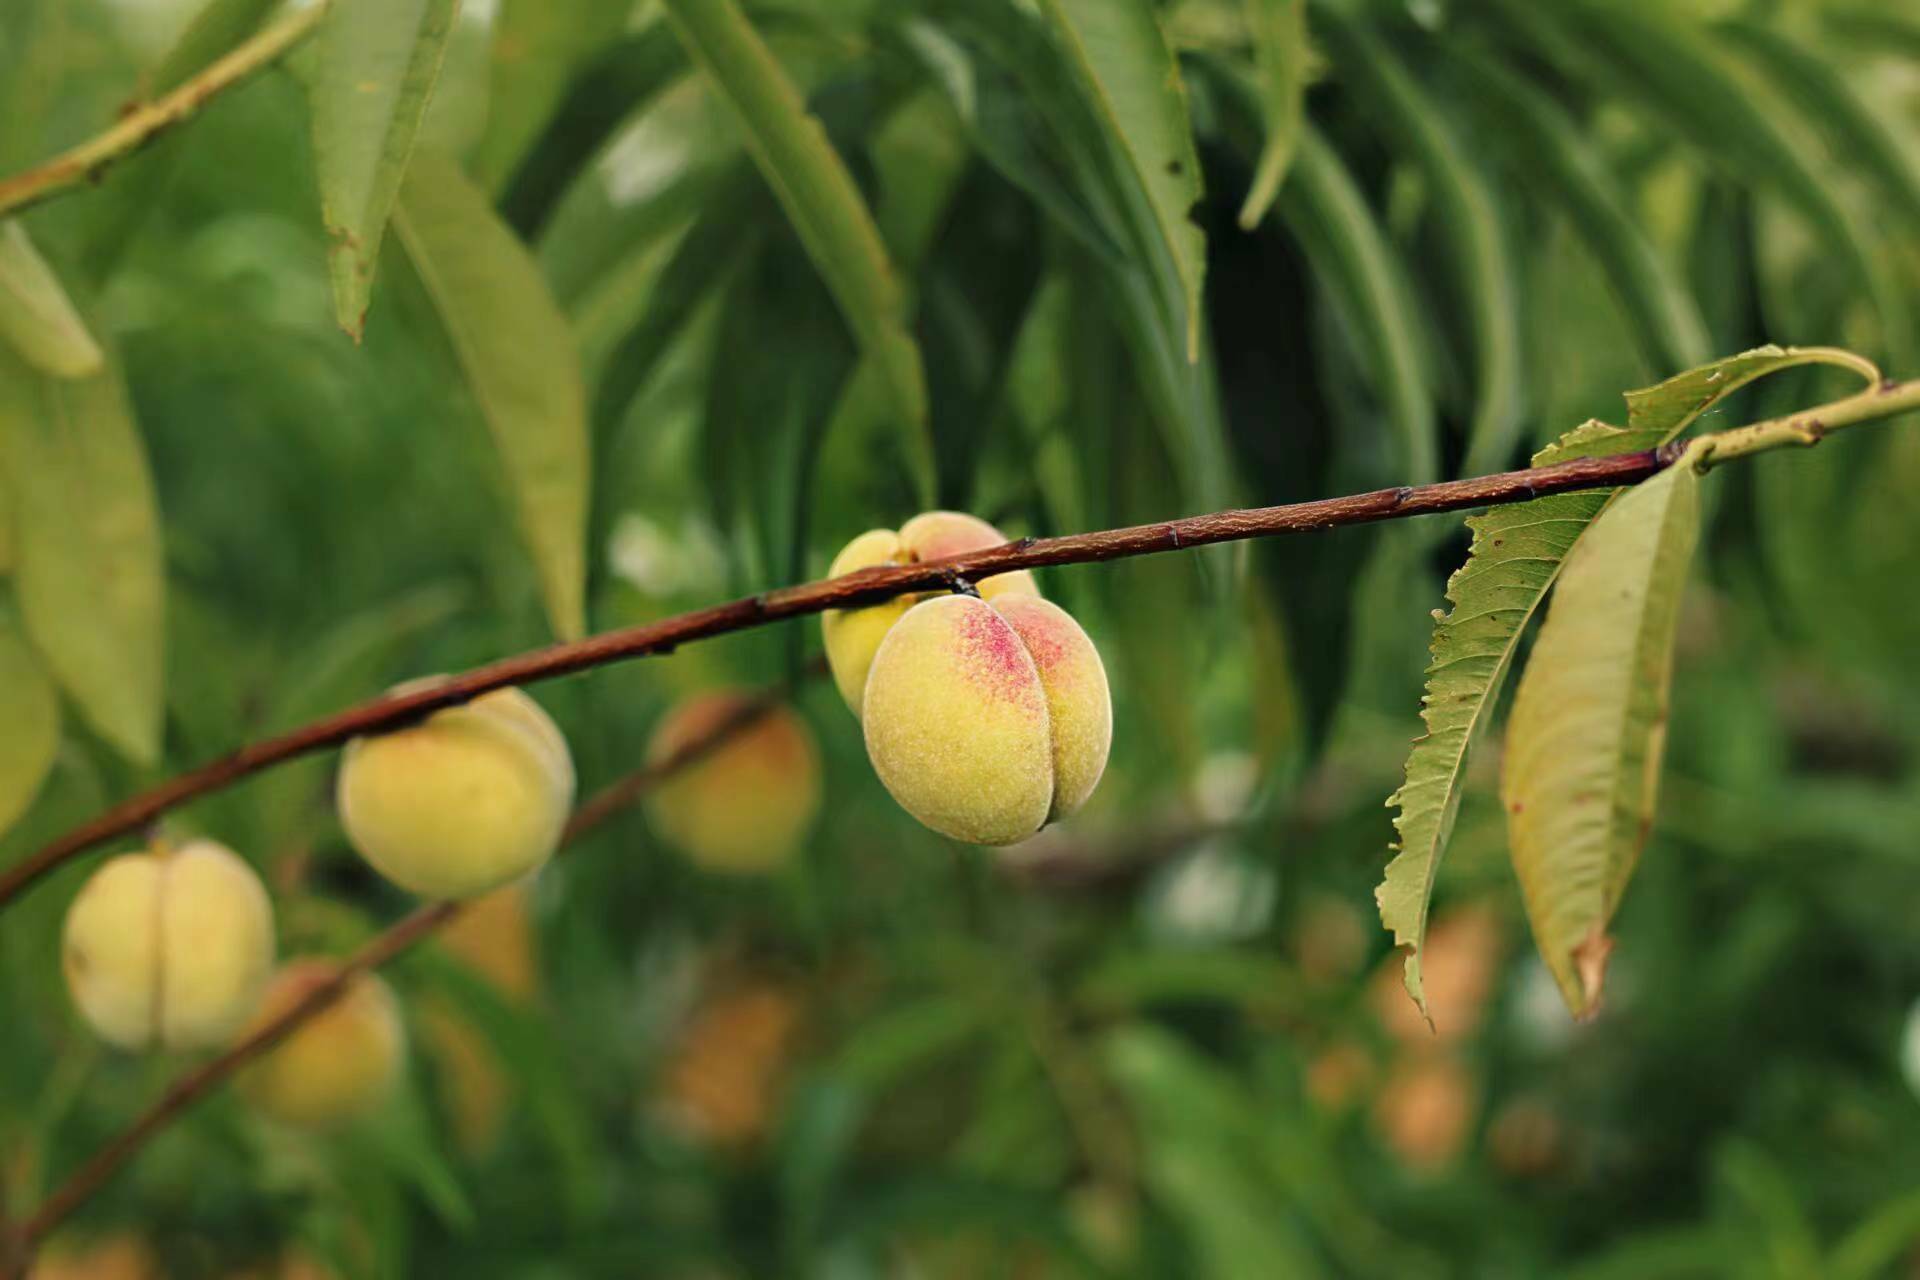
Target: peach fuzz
x,y
987,721
853,635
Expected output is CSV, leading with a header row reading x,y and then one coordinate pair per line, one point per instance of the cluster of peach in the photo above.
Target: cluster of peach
x,y
173,947
985,716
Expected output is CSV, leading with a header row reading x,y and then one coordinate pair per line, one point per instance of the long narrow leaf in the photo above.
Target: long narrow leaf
x,y
519,361
87,539
1665,319
1282,58
819,196
1469,218
30,710
1516,554
378,63
1127,70
1584,744
36,315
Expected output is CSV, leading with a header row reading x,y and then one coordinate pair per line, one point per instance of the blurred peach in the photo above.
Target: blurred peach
x,y
1525,1139
1425,1110
722,1083
1339,1074
1459,966
114,1257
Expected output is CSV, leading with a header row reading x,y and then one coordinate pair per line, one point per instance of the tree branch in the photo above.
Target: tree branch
x,y
16,1247
143,123
870,586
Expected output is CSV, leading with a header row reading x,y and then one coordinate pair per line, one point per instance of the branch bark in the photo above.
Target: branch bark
x,y
870,586
17,1246
143,123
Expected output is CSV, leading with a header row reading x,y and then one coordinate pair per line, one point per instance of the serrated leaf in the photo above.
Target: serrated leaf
x,y
819,196
1470,220
378,63
1127,71
1516,553
30,710
1282,58
87,542
36,315
1589,723
519,361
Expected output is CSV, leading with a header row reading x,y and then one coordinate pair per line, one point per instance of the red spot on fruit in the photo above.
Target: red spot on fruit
x,y
994,655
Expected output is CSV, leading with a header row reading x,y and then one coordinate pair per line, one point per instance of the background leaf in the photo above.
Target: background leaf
x,y
36,315
88,546
519,362
378,63
1282,59
819,196
31,711
1126,69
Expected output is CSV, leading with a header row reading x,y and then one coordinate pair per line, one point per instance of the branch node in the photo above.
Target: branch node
x,y
958,584
1173,535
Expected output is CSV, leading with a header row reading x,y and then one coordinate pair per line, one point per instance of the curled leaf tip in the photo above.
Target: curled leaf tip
x,y
1590,963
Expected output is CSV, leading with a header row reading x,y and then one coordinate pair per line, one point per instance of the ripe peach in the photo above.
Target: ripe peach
x,y
169,947
987,721
468,799
853,635
339,1064
746,804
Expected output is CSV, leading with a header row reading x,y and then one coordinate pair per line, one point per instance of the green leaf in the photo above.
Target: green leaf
x,y
519,361
87,540
1351,259
819,196
31,713
36,315
1589,723
1736,120
1283,58
1469,219
1551,146
1863,138
537,44
378,63
1128,72
1516,553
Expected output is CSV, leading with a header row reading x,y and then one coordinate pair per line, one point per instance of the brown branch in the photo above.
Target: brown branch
x,y
397,939
867,586
143,123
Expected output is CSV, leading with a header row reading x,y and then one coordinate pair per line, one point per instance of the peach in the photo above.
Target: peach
x,y
746,804
336,1066
169,947
467,800
722,1085
853,635
986,720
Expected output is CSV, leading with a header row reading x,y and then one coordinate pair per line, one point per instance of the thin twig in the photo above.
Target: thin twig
x,y
143,123
867,586
386,946
870,586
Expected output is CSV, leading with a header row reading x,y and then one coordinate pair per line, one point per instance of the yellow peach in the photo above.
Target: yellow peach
x,y
746,804
987,721
116,1257
852,636
336,1066
169,947
470,798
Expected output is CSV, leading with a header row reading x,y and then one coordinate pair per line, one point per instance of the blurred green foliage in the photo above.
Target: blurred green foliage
x,y
900,1057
